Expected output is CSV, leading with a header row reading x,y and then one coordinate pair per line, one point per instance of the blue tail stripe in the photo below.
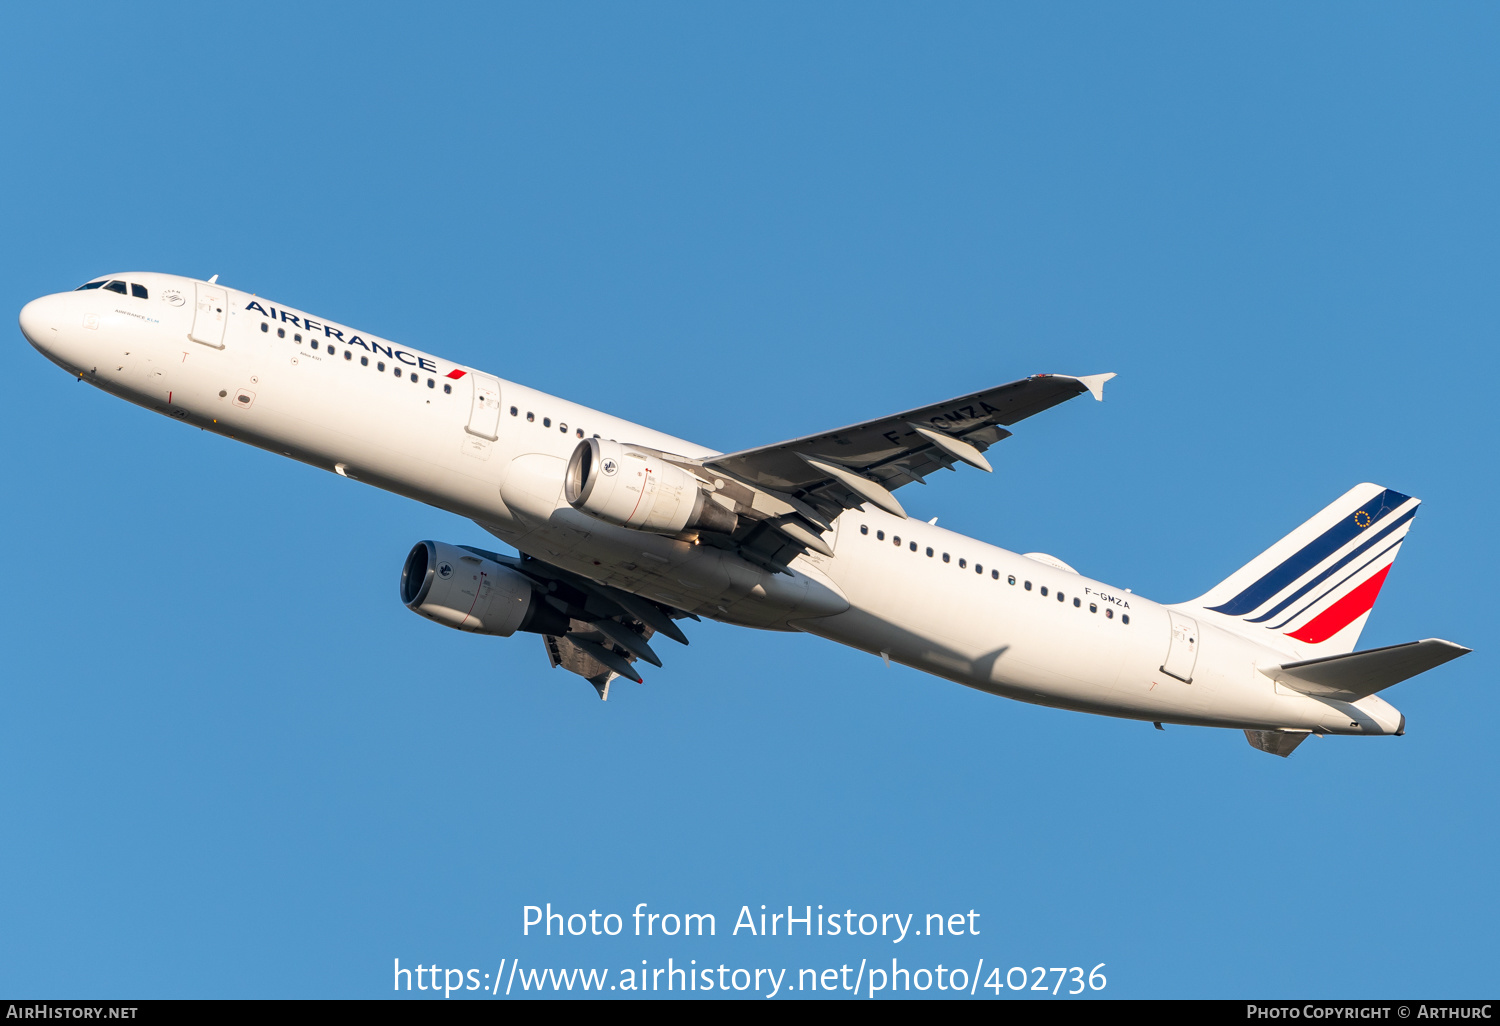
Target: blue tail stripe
x,y
1361,569
1310,585
1319,549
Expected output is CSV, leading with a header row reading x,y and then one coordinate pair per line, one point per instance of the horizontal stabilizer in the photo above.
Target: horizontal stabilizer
x,y
1357,674
1276,742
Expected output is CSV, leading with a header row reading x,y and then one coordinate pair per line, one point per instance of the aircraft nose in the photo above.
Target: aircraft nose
x,y
40,320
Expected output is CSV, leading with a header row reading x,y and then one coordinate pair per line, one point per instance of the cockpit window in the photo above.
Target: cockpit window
x,y
138,291
116,286
88,285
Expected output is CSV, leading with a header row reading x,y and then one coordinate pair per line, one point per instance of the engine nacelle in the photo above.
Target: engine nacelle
x,y
459,589
626,486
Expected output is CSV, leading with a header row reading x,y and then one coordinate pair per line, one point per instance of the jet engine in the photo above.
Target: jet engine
x,y
459,589
635,488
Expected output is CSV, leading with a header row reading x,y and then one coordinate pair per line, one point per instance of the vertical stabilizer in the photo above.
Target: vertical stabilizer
x,y
1312,591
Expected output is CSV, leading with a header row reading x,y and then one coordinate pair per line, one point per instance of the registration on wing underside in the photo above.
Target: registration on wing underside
x,y
892,451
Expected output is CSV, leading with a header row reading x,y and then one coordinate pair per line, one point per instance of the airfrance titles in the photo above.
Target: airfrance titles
x,y
371,345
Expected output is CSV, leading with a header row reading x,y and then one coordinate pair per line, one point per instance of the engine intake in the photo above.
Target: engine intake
x,y
458,589
633,488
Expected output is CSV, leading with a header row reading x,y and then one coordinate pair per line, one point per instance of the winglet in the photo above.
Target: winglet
x,y
1095,383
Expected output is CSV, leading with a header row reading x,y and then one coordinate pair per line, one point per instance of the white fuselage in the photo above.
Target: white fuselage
x,y
350,405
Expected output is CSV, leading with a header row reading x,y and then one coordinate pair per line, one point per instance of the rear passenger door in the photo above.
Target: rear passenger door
x,y
1182,647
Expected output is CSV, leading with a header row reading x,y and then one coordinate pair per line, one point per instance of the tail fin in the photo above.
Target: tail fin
x,y
1312,591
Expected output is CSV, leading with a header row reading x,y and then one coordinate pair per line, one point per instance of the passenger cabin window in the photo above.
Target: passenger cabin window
x,y
963,564
413,377
380,366
1044,591
530,417
1028,585
896,538
1124,617
297,337
914,546
546,422
447,389
1076,603
364,361
945,557
116,286
139,291
864,528
281,333
1011,579
264,326
1109,614
512,411
880,535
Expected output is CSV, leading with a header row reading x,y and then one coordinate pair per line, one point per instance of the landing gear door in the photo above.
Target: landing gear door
x,y
210,315
1182,649
484,418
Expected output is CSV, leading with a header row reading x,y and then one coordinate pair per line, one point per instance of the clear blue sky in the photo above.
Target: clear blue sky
x,y
234,764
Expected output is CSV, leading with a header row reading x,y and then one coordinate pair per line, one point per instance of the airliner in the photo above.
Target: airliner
x,y
623,533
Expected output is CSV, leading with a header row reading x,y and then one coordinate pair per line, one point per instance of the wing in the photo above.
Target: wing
x,y
843,469
608,629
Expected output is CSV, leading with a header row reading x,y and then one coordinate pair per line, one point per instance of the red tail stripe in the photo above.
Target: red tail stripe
x,y
1343,612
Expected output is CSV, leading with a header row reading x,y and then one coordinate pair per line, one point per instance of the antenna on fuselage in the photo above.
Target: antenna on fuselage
x,y
213,280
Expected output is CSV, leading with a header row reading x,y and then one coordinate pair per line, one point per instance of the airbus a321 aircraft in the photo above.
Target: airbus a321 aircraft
x,y
624,531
